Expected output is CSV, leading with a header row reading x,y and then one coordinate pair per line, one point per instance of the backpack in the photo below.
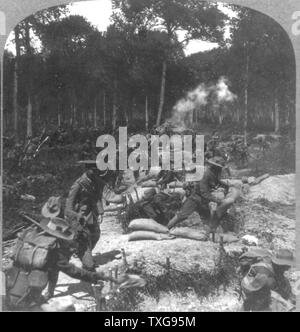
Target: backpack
x,y
28,276
32,250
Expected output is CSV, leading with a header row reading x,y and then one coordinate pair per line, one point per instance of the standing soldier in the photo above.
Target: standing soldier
x,y
84,209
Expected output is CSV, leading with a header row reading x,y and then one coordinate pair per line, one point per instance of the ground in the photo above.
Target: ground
x,y
200,276
196,279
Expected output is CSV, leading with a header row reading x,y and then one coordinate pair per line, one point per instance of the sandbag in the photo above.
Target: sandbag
x,y
188,233
147,225
146,235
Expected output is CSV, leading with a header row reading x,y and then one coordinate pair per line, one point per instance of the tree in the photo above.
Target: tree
x,y
24,33
197,20
268,63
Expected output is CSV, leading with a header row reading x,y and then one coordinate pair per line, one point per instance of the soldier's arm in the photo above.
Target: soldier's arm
x,y
203,189
224,184
71,200
75,272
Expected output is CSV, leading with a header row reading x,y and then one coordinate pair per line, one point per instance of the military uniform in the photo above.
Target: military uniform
x,y
37,260
202,195
265,287
83,207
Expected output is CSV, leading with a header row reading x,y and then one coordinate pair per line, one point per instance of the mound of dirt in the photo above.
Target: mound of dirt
x,y
185,255
276,189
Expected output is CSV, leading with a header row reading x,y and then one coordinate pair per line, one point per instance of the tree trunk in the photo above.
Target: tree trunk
x,y
15,91
114,114
104,109
162,93
29,117
95,113
29,80
246,94
276,113
58,116
146,114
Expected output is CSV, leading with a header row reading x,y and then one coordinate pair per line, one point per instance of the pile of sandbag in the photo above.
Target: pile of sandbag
x,y
149,229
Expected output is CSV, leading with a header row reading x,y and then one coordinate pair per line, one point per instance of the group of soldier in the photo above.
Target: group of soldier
x,y
73,226
67,227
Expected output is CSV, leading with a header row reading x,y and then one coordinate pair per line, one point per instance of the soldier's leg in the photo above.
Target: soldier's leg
x,y
189,206
95,234
221,209
85,251
52,282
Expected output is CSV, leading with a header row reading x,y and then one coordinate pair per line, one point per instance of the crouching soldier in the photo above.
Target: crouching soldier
x,y
84,210
202,196
38,257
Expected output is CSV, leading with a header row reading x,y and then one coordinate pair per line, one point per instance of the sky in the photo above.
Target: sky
x,y
98,13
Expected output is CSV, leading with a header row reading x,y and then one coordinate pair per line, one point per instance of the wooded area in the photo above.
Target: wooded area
x,y
134,73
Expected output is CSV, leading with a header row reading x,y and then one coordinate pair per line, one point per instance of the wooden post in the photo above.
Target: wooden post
x,y
110,282
125,263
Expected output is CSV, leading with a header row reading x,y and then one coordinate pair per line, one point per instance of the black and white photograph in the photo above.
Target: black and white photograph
x,y
148,160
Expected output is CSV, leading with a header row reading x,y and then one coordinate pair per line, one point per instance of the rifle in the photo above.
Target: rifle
x,y
25,216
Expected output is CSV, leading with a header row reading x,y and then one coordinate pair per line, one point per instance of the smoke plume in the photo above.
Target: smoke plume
x,y
213,96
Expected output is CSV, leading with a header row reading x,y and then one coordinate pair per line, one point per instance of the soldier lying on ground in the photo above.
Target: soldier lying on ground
x,y
266,275
202,196
37,260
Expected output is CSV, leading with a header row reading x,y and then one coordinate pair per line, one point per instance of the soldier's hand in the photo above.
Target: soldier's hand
x,y
132,281
100,219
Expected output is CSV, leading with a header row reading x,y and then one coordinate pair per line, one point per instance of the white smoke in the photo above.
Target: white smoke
x,y
222,91
215,94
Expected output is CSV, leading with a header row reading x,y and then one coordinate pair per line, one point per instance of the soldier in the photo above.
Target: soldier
x,y
258,289
202,195
84,209
282,261
38,257
265,286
